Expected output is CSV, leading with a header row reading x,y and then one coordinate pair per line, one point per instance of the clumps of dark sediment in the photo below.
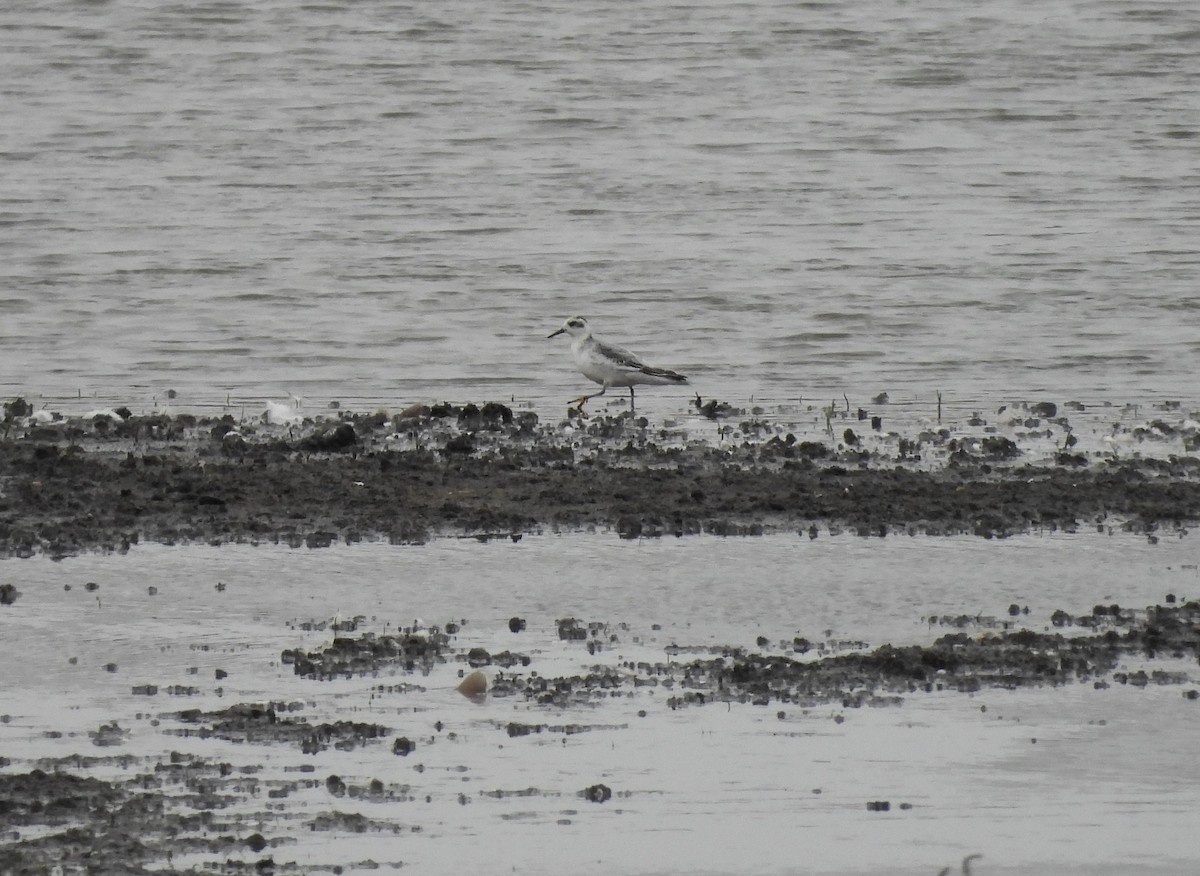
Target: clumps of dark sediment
x,y
478,657
503,794
999,658
370,654
168,807
953,662
594,634
107,735
993,448
716,409
44,798
488,471
336,624
573,629
519,728
354,822
1171,630
598,793
374,791
330,437
598,682
979,621
259,723
61,822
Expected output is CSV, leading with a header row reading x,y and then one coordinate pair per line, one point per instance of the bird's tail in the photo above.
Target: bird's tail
x,y
673,376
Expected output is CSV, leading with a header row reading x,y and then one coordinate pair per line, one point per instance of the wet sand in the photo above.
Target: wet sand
x,y
107,481
251,786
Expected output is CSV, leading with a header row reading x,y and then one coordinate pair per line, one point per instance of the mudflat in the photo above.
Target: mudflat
x,y
367,746
107,481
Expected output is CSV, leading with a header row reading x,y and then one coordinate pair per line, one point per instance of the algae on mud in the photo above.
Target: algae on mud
x,y
102,483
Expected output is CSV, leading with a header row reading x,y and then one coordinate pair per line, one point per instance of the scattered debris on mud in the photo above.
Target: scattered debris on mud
x,y
808,675
369,653
225,810
112,479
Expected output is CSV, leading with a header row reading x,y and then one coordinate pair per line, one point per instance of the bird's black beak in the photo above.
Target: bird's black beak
x,y
559,332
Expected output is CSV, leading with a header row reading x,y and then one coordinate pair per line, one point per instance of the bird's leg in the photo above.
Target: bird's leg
x,y
632,403
578,402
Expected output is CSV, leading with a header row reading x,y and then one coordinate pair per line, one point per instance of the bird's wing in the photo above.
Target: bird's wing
x,y
620,355
663,372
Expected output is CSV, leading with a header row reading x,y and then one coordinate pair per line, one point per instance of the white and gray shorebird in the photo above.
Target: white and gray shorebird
x,y
610,365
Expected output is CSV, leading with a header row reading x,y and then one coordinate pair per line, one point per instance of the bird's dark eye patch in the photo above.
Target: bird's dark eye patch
x,y
575,323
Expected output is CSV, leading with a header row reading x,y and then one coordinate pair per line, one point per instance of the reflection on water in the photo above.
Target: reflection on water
x,y
1078,778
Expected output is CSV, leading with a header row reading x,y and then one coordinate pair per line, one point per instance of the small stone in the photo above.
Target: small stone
x,y
474,686
598,793
335,786
477,657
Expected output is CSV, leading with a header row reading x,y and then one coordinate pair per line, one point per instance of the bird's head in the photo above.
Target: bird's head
x,y
576,327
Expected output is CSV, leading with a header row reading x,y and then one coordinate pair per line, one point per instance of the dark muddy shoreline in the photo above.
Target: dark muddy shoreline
x,y
107,482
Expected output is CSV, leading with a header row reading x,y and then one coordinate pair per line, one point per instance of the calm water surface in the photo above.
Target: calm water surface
x,y
387,202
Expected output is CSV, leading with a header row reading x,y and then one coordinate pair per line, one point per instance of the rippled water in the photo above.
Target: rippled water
x,y
388,202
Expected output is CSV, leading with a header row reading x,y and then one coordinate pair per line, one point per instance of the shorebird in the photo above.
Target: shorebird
x,y
609,365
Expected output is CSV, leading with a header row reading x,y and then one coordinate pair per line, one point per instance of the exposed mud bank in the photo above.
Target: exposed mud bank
x,y
165,814
108,481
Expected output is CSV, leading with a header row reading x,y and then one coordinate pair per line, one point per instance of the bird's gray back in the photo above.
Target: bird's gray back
x,y
619,355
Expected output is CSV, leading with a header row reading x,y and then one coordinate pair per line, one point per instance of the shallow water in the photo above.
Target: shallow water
x,y
384,203
1105,788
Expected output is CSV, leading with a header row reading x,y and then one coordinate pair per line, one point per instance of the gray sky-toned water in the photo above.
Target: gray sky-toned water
x,y
384,203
